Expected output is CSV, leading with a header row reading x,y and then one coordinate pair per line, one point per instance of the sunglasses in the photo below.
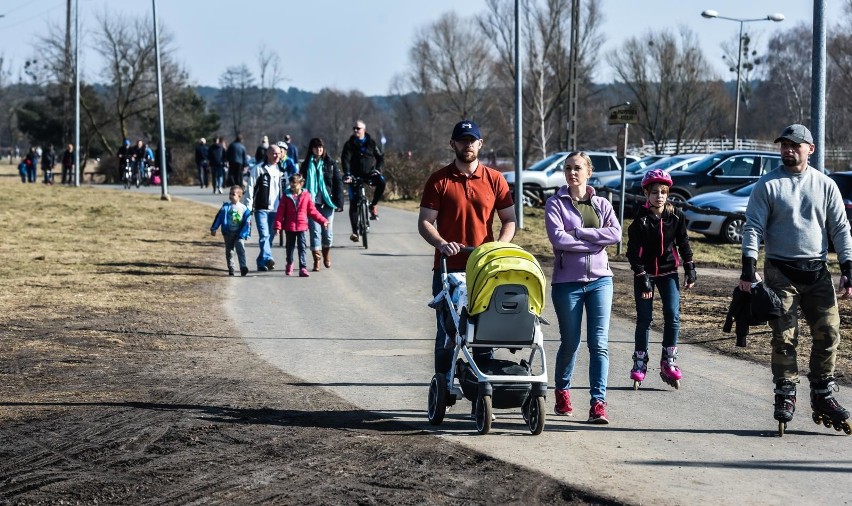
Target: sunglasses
x,y
356,128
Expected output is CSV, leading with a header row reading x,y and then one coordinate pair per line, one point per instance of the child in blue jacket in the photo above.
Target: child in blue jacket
x,y
234,218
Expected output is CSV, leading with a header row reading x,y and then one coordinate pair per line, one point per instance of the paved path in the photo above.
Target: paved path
x,y
362,330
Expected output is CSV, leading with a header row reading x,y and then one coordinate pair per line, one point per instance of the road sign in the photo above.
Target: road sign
x,y
623,114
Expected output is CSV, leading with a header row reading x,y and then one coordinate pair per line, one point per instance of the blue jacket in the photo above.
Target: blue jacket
x,y
231,217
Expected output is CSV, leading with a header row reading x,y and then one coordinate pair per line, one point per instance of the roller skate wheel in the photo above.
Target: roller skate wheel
x,y
636,384
846,428
826,422
816,418
782,427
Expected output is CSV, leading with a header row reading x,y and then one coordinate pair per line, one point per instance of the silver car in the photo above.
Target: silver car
x,y
724,228
544,177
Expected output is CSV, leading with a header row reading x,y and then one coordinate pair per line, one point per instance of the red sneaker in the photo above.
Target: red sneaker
x,y
563,403
597,413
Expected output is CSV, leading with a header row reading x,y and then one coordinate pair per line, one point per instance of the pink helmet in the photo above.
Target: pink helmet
x,y
656,176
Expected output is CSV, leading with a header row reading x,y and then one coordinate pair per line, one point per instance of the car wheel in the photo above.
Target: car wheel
x,y
676,197
732,230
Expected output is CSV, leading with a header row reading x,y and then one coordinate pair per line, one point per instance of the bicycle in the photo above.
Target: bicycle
x,y
128,172
362,218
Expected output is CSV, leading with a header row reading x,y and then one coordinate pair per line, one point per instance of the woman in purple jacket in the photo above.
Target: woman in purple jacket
x,y
580,225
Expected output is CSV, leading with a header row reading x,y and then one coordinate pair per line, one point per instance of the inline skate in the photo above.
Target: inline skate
x,y
640,367
785,404
826,409
669,371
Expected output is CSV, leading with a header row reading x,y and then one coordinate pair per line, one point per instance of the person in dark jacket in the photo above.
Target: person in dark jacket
x,y
68,165
323,181
48,161
362,158
260,152
656,243
292,150
216,159
237,162
202,162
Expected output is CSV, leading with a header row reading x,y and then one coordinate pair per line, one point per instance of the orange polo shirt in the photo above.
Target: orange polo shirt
x,y
466,207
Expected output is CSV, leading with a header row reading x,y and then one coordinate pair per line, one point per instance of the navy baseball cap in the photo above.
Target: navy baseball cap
x,y
796,133
466,128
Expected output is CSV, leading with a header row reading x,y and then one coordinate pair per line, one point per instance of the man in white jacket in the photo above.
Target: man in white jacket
x,y
262,196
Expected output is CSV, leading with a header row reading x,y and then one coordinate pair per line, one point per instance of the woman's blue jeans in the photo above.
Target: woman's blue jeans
x,y
570,300
670,296
321,237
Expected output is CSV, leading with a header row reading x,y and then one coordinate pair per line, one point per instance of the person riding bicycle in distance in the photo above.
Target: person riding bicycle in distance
x,y
457,210
362,158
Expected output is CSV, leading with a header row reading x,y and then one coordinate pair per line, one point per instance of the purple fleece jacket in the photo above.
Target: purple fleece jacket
x,y
580,252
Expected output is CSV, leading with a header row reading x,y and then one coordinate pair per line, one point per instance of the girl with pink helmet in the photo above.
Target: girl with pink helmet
x,y
657,244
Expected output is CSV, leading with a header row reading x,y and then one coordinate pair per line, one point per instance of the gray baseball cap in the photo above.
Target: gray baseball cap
x,y
796,133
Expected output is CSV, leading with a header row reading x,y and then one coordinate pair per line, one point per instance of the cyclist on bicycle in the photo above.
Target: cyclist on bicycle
x,y
140,158
362,159
125,154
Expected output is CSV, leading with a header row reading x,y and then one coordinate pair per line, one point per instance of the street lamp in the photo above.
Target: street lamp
x,y
710,14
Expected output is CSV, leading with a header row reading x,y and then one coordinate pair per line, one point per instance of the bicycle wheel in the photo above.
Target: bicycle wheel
x,y
364,220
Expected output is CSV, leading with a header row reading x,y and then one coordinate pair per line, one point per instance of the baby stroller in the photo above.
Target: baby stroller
x,y
495,303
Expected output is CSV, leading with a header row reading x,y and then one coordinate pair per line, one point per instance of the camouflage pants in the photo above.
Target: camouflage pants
x,y
819,305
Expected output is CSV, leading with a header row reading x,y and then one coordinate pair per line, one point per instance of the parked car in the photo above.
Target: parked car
x,y
725,228
599,180
668,164
719,171
544,177
844,182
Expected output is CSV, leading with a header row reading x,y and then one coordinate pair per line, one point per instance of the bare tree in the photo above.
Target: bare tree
x,y
237,93
127,46
546,29
332,112
270,76
666,76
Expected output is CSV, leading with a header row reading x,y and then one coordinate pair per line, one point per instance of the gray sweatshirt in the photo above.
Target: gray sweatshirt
x,y
794,215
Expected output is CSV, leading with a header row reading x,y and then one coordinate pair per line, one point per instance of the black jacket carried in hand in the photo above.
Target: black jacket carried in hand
x,y
748,309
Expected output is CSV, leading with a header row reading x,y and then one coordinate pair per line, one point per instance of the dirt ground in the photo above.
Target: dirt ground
x,y
120,383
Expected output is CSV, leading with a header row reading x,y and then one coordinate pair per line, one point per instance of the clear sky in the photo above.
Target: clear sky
x,y
362,45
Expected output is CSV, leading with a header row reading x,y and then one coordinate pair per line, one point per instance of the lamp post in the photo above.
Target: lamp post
x,y
710,14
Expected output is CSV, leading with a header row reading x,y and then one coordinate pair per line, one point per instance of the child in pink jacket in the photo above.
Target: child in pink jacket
x,y
293,211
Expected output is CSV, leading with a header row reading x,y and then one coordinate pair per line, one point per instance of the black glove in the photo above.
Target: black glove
x,y
689,270
846,272
749,269
642,282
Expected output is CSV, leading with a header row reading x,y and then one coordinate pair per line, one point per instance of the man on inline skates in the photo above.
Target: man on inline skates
x,y
795,209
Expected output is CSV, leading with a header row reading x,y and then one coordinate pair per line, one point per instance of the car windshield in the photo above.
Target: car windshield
x,y
543,164
702,165
664,164
743,191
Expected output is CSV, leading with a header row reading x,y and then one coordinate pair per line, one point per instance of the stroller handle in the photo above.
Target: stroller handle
x,y
465,249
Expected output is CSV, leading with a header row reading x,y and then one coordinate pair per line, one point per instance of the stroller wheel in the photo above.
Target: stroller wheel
x,y
483,414
437,407
535,415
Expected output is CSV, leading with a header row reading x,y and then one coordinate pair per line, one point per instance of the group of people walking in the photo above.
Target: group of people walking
x,y
46,157
793,211
282,194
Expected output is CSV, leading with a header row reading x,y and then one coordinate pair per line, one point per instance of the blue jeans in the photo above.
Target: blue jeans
x,y
569,300
444,356
218,177
265,222
292,239
321,237
670,296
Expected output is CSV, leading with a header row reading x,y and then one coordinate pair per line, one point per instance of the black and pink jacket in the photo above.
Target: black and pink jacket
x,y
657,246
